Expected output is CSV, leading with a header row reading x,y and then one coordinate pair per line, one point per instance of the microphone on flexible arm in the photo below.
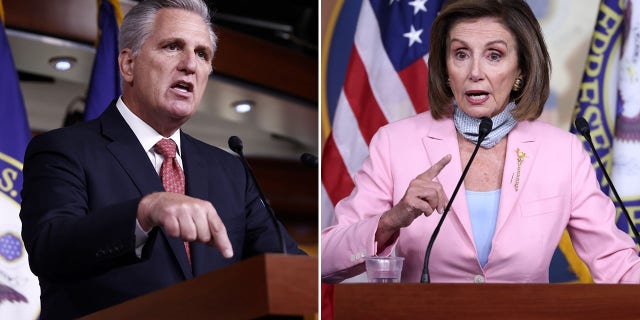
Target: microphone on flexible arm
x,y
483,130
583,127
309,160
235,144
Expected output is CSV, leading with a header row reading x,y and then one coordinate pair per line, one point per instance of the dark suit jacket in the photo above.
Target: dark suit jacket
x,y
82,186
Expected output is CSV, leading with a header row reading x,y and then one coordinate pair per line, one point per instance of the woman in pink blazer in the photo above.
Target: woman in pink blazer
x,y
528,182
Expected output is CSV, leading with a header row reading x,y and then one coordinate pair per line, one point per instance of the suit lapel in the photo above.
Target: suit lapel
x,y
196,186
177,246
440,141
128,151
194,169
197,174
522,149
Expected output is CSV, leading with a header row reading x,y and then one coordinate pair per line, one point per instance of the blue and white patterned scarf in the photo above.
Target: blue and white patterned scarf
x,y
467,125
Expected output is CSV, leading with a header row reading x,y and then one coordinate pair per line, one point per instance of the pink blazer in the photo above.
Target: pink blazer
x,y
556,190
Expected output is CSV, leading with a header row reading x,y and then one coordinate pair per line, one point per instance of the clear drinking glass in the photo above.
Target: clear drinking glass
x,y
384,269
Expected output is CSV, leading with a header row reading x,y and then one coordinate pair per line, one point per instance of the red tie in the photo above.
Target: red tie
x,y
171,173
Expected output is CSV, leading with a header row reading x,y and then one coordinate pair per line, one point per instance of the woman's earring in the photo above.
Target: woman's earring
x,y
517,85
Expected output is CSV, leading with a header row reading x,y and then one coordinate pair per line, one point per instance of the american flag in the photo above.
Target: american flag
x,y
385,80
373,76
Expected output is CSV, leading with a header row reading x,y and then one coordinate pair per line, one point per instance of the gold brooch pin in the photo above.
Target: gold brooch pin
x,y
521,156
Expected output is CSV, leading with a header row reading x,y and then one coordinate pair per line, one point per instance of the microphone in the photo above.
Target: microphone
x,y
483,130
235,144
74,114
583,127
309,160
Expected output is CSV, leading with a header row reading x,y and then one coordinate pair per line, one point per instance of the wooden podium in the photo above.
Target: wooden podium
x,y
272,285
486,301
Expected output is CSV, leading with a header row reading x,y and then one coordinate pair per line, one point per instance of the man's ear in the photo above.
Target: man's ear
x,y
125,63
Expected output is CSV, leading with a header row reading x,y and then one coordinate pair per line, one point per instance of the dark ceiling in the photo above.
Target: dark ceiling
x,y
282,35
293,23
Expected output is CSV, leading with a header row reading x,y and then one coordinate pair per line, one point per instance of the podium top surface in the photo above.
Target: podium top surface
x,y
265,285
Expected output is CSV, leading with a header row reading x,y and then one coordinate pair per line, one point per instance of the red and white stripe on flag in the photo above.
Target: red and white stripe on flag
x,y
385,80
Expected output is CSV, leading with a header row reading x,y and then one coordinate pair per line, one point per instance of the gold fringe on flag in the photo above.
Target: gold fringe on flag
x,y
576,265
1,12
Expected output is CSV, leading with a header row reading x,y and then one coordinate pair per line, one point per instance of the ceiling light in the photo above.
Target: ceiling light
x,y
243,106
62,63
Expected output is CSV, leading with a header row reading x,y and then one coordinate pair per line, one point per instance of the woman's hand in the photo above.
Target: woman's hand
x,y
423,196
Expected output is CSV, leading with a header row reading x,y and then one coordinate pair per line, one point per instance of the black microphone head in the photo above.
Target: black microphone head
x,y
582,126
235,144
485,127
309,160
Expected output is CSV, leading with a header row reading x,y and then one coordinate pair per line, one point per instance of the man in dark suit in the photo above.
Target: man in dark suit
x,y
98,223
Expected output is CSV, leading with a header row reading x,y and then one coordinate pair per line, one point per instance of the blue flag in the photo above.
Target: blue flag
x,y
609,100
19,288
105,76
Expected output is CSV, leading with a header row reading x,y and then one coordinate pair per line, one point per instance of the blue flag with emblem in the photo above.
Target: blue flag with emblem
x,y
609,99
104,85
19,288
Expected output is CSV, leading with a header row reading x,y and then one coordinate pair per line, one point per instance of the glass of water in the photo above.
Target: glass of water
x,y
384,269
